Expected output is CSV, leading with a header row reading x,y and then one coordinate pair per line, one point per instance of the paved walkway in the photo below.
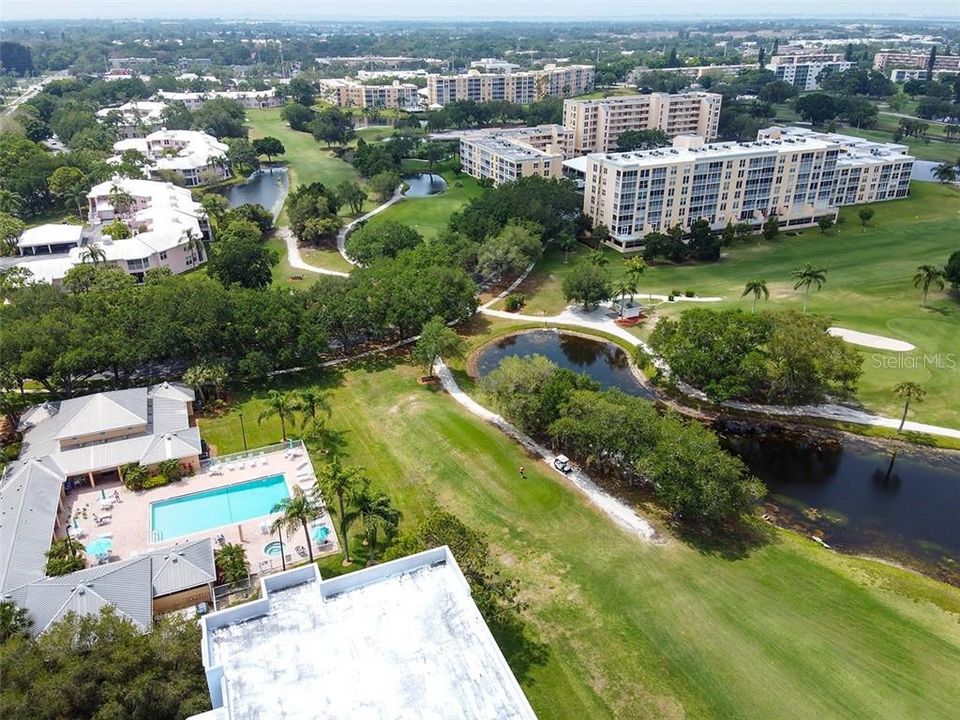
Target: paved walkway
x,y
618,511
296,260
342,235
601,320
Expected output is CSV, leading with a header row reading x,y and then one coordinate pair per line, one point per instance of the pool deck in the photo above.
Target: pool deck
x,y
129,520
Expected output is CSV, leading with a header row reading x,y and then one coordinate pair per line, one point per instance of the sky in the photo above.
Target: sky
x,y
484,9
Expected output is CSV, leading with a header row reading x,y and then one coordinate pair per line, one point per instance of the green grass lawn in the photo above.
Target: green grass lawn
x,y
429,215
620,628
869,288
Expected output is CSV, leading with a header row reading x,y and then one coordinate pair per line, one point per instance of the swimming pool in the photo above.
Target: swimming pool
x,y
217,507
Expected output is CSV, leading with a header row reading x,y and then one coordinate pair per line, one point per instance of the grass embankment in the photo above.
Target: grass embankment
x,y
429,215
869,288
619,628
307,162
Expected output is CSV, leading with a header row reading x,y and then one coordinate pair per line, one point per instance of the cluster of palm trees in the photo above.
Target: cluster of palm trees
x,y
356,501
310,403
806,277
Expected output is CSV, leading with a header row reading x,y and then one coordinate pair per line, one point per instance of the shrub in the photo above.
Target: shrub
x,y
676,292
134,476
689,293
514,302
670,297
458,184
155,481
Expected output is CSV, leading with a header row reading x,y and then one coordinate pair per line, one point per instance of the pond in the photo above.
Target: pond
x,y
267,188
603,361
857,497
424,185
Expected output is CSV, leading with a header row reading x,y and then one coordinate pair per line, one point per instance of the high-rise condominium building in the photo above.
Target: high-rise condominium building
x,y
517,87
636,193
803,71
596,124
887,59
867,171
505,155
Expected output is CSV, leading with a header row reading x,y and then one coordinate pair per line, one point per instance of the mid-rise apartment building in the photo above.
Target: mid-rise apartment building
x,y
135,119
192,157
867,171
636,193
250,99
404,96
506,155
517,87
803,71
596,124
888,59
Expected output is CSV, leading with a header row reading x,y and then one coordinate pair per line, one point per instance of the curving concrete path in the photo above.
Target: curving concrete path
x,y
342,235
618,511
296,260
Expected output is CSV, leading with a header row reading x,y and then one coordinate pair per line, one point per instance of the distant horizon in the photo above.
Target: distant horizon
x,y
556,11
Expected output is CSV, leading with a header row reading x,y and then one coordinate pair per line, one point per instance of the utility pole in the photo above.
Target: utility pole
x,y
243,431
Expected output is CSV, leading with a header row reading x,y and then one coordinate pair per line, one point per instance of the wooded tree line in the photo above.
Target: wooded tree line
x,y
625,439
783,357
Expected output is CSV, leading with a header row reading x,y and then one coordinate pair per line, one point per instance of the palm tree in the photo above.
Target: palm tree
x,y
758,288
283,405
120,199
231,563
636,267
945,173
566,242
194,243
196,377
926,276
14,621
310,401
377,514
215,206
10,202
337,481
908,391
805,277
93,253
623,288
297,511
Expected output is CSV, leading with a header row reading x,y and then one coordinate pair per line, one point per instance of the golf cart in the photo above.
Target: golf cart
x,y
562,463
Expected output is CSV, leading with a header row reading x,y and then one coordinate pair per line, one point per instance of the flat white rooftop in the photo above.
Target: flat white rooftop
x,y
399,640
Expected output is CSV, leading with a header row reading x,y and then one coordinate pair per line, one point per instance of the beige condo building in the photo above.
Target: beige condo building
x,y
596,124
517,87
506,155
404,96
636,193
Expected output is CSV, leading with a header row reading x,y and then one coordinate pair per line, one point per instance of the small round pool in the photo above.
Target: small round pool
x,y
273,549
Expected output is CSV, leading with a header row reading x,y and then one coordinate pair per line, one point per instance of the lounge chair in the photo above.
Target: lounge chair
x,y
263,459
301,551
265,529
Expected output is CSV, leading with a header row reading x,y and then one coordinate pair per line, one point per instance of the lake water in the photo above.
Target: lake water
x,y
424,184
267,188
857,497
603,361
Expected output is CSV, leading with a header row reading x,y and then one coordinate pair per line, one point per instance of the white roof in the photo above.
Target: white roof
x,y
51,234
194,149
145,109
577,164
411,624
136,408
712,151
29,495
